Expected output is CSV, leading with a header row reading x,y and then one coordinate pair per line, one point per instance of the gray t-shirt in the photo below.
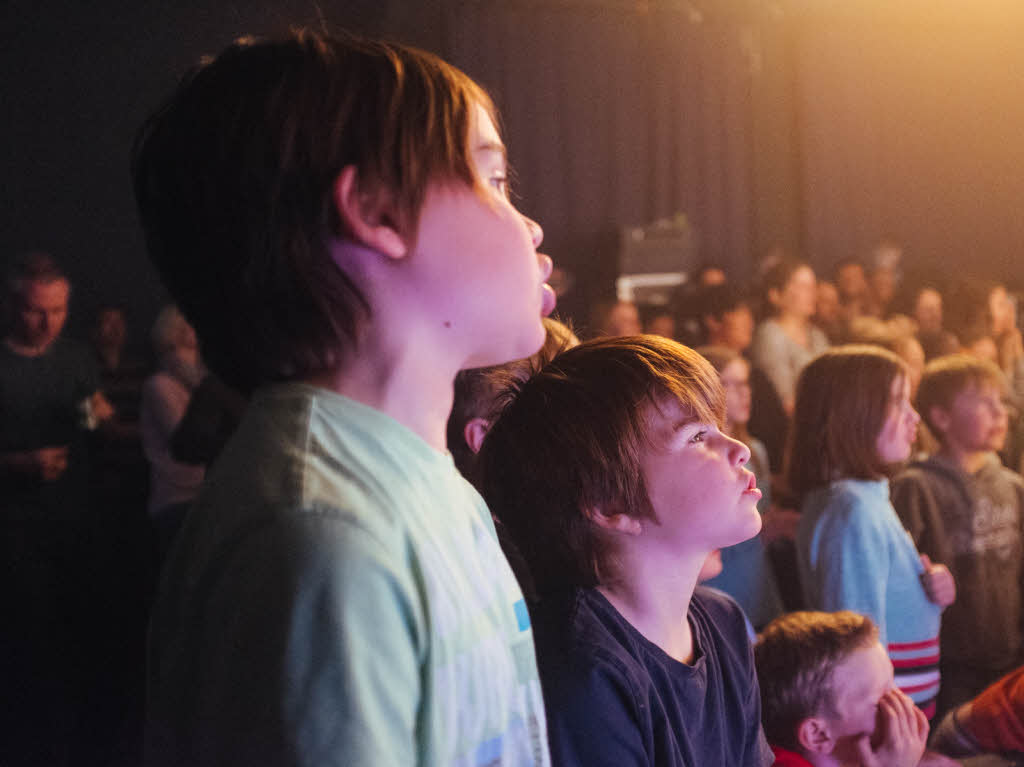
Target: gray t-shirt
x,y
781,358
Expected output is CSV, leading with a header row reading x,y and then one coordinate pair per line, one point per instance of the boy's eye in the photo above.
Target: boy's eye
x,y
699,436
499,182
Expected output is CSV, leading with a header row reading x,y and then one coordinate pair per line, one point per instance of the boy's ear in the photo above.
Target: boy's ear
x,y
474,432
814,736
367,215
616,522
939,417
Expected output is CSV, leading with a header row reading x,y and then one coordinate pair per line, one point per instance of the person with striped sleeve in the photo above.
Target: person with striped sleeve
x,y
853,424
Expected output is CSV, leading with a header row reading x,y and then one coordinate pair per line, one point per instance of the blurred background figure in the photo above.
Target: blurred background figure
x,y
926,309
119,470
828,314
884,277
615,318
51,551
786,340
165,398
852,285
659,320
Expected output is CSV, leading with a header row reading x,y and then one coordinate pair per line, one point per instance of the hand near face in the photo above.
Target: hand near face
x,y
900,734
938,583
935,759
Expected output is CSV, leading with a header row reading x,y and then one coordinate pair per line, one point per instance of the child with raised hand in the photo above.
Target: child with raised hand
x,y
614,479
332,216
828,697
853,425
747,575
964,508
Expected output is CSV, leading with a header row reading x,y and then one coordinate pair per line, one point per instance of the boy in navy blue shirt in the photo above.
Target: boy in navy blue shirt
x,y
613,478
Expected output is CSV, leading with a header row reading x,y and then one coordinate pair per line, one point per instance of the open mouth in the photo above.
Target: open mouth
x,y
752,484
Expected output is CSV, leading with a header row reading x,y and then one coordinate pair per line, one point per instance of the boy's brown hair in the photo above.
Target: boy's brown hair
x,y
234,180
842,401
569,443
484,392
945,377
795,656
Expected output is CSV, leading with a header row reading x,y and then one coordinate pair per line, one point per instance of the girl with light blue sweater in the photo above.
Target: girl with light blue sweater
x,y
853,424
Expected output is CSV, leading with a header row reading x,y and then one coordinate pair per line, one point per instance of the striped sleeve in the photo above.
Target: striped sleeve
x,y
916,666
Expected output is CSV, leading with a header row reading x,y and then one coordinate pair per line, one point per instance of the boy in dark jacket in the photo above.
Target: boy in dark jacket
x,y
963,508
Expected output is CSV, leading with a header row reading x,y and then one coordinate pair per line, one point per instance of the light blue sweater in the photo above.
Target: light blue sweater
x,y
854,554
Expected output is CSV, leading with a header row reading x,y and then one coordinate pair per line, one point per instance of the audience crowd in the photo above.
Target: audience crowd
x,y
746,525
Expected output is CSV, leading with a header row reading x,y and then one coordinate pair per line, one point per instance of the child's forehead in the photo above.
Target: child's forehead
x,y
484,136
866,672
666,414
980,387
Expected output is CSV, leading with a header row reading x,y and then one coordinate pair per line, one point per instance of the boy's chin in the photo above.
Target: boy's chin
x,y
749,528
520,347
997,442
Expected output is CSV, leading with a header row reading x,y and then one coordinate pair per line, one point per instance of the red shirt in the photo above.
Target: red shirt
x,y
997,715
784,758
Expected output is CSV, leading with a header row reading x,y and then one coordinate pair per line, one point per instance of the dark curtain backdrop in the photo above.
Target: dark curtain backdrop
x,y
617,115
911,122
821,127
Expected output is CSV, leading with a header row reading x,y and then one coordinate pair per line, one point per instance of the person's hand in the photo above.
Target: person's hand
x,y
935,759
900,734
779,524
938,583
46,463
102,410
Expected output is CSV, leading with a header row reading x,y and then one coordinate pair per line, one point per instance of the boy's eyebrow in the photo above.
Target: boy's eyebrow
x,y
493,146
682,423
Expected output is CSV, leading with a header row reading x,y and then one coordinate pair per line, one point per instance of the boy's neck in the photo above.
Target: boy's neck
x,y
969,461
402,364
655,599
403,385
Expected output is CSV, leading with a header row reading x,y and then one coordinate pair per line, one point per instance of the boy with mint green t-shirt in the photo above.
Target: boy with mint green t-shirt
x,y
332,216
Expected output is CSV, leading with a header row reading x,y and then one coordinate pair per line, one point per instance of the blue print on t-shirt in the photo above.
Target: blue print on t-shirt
x,y
522,615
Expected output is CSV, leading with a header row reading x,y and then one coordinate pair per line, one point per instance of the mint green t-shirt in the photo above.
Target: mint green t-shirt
x,y
337,596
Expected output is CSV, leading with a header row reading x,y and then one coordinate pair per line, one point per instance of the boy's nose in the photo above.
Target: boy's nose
x,y
738,453
536,233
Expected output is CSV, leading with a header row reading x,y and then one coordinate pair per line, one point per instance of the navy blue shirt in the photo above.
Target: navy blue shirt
x,y
614,698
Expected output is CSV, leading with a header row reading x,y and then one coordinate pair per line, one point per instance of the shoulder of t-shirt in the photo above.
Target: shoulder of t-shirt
x,y
848,496
1011,477
724,613
581,653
